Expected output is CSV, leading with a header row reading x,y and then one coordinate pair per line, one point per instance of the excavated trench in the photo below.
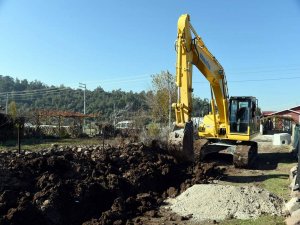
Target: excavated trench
x,y
90,185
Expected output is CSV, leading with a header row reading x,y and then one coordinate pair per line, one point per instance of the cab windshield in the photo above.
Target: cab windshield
x,y
239,115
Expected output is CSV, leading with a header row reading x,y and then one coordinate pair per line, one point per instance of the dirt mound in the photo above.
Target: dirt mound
x,y
245,202
90,185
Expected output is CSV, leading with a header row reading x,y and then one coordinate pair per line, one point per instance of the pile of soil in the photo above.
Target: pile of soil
x,y
90,185
202,202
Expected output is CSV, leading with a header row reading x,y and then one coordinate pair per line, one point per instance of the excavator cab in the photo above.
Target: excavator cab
x,y
242,115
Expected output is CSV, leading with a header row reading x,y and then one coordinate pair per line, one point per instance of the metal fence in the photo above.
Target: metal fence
x,y
277,124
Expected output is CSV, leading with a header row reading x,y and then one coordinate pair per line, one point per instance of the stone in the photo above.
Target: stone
x,y
295,194
46,202
292,205
292,185
294,219
54,145
172,192
293,171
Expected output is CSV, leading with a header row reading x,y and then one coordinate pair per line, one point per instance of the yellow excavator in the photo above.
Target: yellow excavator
x,y
232,122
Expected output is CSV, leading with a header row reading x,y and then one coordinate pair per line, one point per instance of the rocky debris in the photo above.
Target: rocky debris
x,y
294,219
219,202
293,172
292,207
90,185
166,217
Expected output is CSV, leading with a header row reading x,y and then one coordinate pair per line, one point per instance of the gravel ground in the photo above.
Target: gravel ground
x,y
218,202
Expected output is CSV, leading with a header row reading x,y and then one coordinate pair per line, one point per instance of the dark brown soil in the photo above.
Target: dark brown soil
x,y
89,185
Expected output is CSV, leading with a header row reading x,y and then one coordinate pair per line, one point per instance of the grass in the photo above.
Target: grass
x,y
272,173
279,185
37,144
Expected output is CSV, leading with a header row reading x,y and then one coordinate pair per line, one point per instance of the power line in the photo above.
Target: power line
x,y
257,80
269,72
262,68
26,98
269,79
129,78
46,90
40,92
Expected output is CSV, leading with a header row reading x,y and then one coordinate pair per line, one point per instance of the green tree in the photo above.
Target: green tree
x,y
200,107
162,94
12,109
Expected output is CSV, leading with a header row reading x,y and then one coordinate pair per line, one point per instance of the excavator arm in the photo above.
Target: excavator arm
x,y
192,51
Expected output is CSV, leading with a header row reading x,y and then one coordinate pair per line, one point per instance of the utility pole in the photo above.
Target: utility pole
x,y
81,85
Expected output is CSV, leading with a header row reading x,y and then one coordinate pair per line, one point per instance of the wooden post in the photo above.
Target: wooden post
x,y
59,133
19,139
103,138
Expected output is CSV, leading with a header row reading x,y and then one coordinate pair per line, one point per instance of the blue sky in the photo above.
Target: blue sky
x,y
119,44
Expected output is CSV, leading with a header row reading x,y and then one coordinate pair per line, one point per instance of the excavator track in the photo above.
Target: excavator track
x,y
245,155
185,149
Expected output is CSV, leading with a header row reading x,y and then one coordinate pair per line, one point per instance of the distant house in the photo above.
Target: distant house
x,y
267,113
281,121
293,112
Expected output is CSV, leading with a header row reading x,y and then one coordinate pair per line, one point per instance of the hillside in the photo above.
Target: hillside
x,y
30,95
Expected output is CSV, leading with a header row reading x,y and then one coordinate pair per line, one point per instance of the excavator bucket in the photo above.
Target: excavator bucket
x,y
180,143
